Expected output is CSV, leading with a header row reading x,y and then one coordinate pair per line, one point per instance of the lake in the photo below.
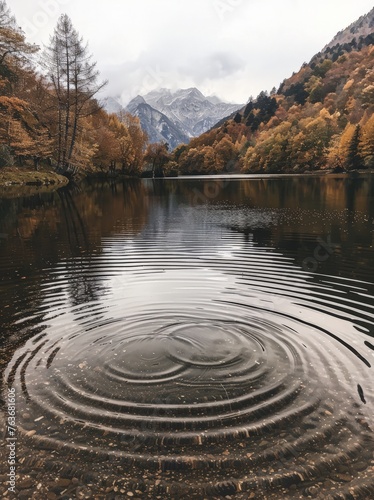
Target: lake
x,y
189,338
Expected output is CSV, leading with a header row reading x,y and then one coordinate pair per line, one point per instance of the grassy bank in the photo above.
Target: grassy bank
x,y
16,182
20,177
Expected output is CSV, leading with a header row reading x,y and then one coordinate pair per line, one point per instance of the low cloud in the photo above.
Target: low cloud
x,y
231,48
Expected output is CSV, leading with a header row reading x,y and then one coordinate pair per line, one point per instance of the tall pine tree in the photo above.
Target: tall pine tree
x,y
74,80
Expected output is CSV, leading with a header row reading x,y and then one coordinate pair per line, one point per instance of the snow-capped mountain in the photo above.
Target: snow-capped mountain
x,y
112,105
176,117
157,125
190,109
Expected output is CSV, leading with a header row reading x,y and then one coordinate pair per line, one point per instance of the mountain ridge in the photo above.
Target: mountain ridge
x,y
321,117
177,116
157,125
190,109
362,27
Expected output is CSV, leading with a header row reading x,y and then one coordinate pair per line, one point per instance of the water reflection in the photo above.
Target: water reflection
x,y
62,229
170,328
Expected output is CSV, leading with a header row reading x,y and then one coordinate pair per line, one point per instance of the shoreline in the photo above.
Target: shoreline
x,y
259,176
16,177
15,183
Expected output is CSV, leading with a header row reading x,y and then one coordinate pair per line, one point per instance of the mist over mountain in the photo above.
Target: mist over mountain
x,y
112,105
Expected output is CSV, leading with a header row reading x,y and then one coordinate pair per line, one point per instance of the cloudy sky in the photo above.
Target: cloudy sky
x,y
229,48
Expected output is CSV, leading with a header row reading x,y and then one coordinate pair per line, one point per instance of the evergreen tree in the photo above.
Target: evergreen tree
x,y
354,157
238,118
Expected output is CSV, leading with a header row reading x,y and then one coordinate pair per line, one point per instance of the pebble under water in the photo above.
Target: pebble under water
x,y
187,358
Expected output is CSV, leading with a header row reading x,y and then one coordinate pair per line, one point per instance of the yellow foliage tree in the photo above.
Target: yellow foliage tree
x,y
367,143
139,140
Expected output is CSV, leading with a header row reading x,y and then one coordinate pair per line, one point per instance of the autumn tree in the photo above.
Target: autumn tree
x,y
367,96
202,160
19,129
367,143
13,45
139,141
107,149
124,145
335,159
317,136
56,114
211,165
226,153
271,152
157,155
118,141
74,80
191,161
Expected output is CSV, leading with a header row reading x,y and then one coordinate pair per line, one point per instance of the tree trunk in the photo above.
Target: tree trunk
x,y
65,157
74,78
75,124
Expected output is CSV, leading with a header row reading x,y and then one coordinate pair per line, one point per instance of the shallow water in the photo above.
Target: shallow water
x,y
208,337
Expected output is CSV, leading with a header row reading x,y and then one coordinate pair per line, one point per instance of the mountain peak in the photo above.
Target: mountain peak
x,y
190,109
112,104
139,100
363,27
179,115
135,103
193,92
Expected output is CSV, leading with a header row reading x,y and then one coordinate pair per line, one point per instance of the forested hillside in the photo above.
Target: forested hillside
x,y
52,117
320,118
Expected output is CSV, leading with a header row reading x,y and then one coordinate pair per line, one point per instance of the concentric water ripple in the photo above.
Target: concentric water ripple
x,y
227,364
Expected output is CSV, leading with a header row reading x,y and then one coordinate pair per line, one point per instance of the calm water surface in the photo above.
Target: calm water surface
x,y
193,337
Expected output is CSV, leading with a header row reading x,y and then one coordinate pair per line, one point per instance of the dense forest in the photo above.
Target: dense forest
x,y
52,116
320,118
